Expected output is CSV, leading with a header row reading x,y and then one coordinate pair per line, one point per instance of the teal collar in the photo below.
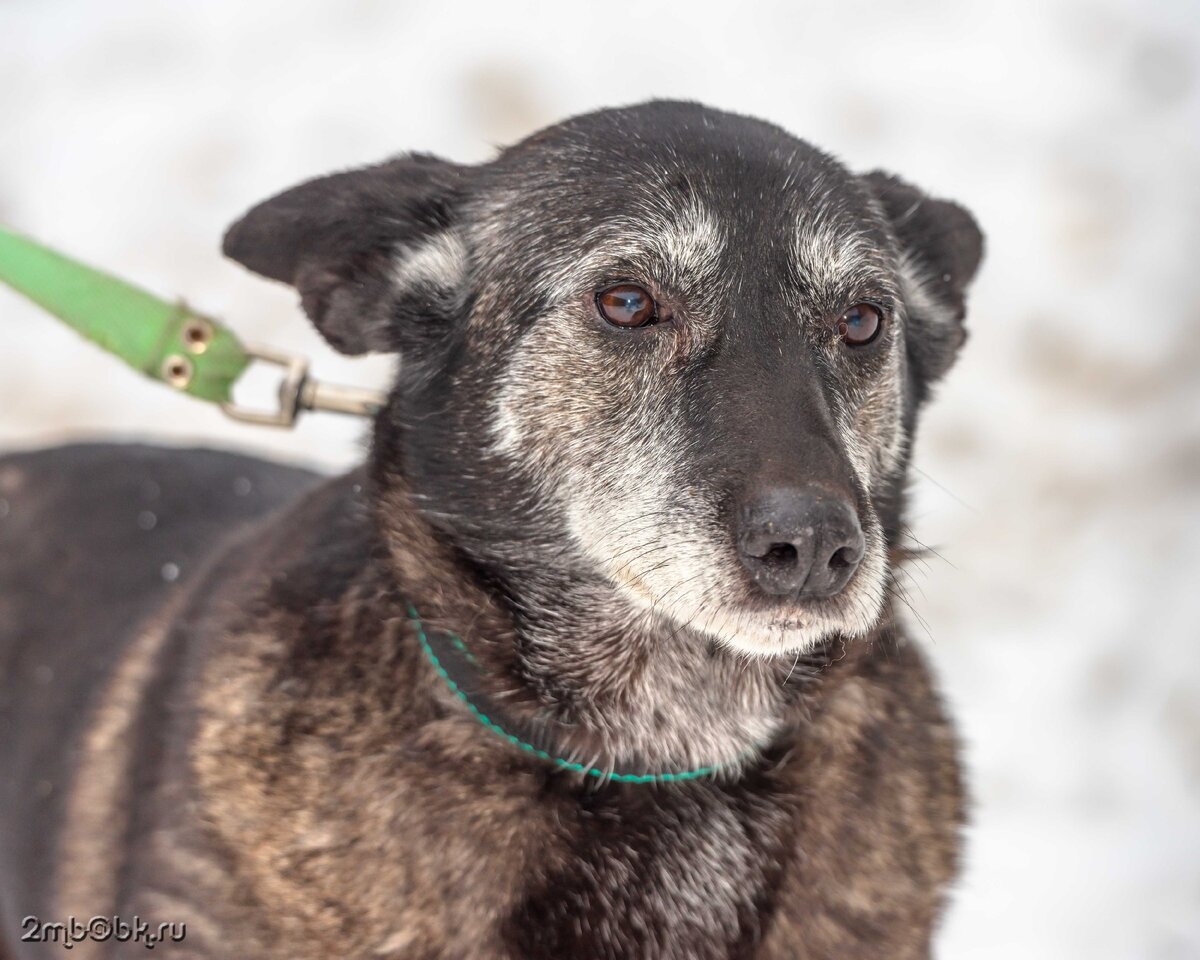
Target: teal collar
x,y
459,669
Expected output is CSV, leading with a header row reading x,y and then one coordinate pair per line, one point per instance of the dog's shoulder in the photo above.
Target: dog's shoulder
x,y
880,807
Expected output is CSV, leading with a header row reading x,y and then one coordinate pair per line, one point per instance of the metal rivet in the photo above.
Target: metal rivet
x,y
197,334
177,371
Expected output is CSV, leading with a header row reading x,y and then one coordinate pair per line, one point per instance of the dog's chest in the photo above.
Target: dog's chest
x,y
682,871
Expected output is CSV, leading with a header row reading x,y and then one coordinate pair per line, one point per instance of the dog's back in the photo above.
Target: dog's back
x,y
94,538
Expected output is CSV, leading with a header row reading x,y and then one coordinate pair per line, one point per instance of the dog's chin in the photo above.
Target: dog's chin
x,y
788,630
786,636
754,626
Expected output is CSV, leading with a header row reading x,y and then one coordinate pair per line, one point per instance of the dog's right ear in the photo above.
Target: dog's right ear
x,y
942,247
373,252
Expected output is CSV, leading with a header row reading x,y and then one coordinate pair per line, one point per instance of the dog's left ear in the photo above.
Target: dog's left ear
x,y
373,252
941,248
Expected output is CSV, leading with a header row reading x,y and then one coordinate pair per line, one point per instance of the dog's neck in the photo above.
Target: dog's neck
x,y
619,687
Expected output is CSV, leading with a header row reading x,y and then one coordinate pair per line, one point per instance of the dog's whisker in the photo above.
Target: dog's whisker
x,y
946,490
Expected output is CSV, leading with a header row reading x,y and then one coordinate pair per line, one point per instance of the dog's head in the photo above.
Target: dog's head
x,y
669,352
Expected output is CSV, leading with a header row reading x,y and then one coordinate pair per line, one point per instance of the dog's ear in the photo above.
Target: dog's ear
x,y
373,252
941,247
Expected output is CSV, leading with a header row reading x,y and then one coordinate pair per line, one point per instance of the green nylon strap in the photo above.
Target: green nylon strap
x,y
166,341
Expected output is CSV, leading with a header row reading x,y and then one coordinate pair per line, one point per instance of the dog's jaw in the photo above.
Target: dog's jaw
x,y
680,572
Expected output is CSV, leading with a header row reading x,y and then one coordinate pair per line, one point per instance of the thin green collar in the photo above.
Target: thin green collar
x,y
458,667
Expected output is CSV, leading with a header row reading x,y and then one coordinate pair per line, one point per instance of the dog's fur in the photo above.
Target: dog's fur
x,y
215,708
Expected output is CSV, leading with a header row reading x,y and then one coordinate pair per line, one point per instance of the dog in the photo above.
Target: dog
x,y
596,656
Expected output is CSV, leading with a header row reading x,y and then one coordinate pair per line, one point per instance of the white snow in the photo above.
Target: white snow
x,y
1061,463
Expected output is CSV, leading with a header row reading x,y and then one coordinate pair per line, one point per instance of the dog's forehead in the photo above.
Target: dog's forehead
x,y
670,175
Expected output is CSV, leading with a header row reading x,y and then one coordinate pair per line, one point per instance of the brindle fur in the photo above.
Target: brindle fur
x,y
260,750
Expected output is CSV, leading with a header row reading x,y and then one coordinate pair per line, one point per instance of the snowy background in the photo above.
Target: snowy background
x,y
1060,468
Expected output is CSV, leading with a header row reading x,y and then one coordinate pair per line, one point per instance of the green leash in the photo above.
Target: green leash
x,y
168,342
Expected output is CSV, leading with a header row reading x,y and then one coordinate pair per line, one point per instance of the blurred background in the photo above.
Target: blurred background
x,y
1059,470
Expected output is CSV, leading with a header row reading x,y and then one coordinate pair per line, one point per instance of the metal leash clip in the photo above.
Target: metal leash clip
x,y
299,392
168,342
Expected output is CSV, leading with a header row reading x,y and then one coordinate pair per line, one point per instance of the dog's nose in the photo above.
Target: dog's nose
x,y
798,541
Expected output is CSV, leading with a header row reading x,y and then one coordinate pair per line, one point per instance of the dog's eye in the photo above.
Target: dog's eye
x,y
860,325
627,305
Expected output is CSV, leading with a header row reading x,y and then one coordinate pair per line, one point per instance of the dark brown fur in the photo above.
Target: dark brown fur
x,y
310,788
258,748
